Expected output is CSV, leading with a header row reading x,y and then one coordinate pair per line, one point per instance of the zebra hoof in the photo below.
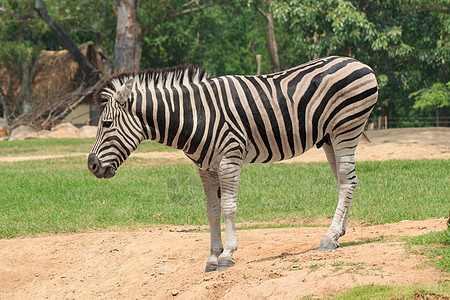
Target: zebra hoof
x,y
225,263
327,244
210,268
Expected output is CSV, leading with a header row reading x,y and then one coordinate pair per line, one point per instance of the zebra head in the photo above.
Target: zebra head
x,y
119,130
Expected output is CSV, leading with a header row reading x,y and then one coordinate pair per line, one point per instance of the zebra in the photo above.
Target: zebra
x,y
225,122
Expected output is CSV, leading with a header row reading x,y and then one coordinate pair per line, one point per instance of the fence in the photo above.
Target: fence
x,y
401,122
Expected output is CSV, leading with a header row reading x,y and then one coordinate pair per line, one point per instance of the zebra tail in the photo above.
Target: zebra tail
x,y
365,137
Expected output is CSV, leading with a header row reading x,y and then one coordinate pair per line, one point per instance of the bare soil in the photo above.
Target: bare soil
x,y
167,262
405,143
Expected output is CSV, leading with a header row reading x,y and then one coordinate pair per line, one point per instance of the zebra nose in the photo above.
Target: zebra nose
x,y
93,163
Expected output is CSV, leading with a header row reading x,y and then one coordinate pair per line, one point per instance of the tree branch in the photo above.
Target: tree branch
x,y
261,11
67,42
17,16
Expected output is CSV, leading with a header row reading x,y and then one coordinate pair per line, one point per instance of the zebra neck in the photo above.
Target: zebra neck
x,y
172,115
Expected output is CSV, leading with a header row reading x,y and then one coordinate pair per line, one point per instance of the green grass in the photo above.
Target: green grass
x,y
434,245
387,191
62,146
382,292
61,195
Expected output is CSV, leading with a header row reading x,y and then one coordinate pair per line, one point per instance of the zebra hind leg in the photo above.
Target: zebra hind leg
x,y
329,152
229,173
347,182
211,187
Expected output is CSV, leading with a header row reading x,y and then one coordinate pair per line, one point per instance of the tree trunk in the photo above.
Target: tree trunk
x,y
271,36
272,42
6,104
26,80
138,50
92,75
126,56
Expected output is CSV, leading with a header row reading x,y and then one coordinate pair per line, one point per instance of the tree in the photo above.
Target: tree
x,y
20,36
155,14
92,75
405,42
21,53
126,54
436,97
271,40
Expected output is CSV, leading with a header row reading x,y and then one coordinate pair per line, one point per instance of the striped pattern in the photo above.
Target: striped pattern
x,y
224,122
127,124
273,117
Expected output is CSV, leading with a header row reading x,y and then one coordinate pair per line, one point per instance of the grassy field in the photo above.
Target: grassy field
x,y
61,195
62,146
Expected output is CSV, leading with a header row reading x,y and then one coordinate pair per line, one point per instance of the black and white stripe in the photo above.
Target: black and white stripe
x,y
224,122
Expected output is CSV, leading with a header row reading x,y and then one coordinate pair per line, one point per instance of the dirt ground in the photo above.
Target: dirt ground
x,y
168,262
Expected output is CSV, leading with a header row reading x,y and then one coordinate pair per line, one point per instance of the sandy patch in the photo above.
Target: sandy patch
x,y
169,261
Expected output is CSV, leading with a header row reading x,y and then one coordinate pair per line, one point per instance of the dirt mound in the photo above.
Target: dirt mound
x,y
164,262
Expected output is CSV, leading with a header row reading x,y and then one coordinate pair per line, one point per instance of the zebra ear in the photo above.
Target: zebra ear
x,y
124,92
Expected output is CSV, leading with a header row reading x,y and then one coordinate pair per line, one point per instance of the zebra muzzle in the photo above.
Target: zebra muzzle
x,y
99,170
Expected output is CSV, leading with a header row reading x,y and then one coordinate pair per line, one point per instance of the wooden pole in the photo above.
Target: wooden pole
x,y
379,122
437,117
258,62
385,122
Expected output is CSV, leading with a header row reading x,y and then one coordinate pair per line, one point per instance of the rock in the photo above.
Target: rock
x,y
87,131
22,132
66,127
3,132
42,134
64,130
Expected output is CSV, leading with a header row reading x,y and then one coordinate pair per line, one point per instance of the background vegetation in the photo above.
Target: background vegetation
x,y
404,41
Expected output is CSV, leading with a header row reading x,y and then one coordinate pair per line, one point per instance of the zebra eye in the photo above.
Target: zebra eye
x,y
107,124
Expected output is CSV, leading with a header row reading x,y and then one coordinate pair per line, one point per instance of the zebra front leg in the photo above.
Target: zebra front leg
x,y
229,172
347,182
211,186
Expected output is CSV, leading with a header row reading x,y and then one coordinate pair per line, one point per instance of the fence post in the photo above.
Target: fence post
x,y
379,122
385,122
258,62
437,117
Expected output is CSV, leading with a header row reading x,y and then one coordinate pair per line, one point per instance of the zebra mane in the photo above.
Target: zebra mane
x,y
153,78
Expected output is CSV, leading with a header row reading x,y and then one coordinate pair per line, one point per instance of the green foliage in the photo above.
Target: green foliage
x,y
403,41
224,39
327,27
15,51
436,97
382,292
19,39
